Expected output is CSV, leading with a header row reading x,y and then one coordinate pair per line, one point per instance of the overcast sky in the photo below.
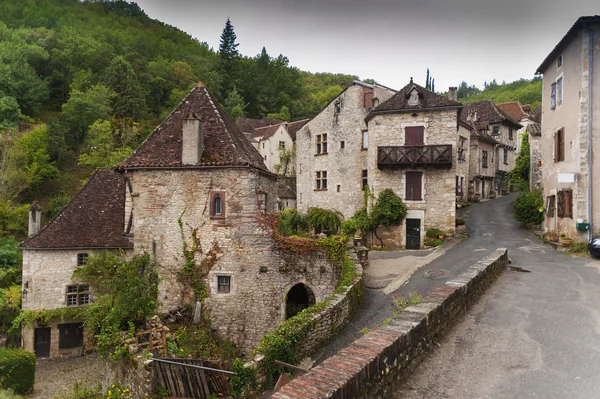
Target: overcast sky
x,y
387,40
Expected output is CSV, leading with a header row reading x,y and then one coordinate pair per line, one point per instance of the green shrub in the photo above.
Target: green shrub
x,y
17,370
433,233
389,209
432,241
324,220
9,394
460,222
529,208
291,222
349,227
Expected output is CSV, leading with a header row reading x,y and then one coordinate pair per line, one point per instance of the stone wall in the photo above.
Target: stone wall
x,y
535,156
260,274
438,207
135,374
345,165
371,366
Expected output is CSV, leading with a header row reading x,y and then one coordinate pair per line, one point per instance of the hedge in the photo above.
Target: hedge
x,y
17,370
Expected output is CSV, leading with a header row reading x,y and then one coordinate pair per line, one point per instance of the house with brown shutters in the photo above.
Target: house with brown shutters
x,y
570,131
93,221
518,113
196,175
415,138
331,151
488,118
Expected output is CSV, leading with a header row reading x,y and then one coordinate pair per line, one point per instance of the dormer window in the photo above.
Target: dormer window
x,y
217,204
413,99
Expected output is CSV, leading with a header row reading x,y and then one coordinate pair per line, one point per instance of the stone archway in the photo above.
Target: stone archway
x,y
298,298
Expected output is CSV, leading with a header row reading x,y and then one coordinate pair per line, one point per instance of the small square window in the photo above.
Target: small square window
x,y
263,145
559,61
262,202
365,140
338,188
224,284
496,131
321,180
342,145
338,107
82,259
78,295
282,144
365,178
217,204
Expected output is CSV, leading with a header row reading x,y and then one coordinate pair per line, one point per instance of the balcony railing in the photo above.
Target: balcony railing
x,y
415,156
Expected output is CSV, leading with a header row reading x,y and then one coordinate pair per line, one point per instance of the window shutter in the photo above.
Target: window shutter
x,y
561,145
414,186
555,148
568,203
414,135
560,205
553,97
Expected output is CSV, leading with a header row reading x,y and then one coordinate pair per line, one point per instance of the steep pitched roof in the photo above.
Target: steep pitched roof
x,y
427,100
513,109
94,218
224,143
536,115
247,125
570,35
263,133
535,129
487,112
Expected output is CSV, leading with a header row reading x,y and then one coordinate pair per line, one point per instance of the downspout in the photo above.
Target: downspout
x,y
590,192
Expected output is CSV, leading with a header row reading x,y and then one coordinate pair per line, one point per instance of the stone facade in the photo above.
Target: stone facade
x,y
463,158
481,178
569,66
437,209
535,156
343,121
260,276
269,146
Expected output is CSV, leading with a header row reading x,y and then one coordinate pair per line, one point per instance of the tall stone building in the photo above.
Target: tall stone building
x,y
195,175
482,172
331,151
503,129
269,140
415,138
570,131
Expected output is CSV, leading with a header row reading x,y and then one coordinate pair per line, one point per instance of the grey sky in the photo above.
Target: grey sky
x,y
387,40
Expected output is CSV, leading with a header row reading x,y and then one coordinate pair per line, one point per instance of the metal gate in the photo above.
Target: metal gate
x,y
42,342
413,233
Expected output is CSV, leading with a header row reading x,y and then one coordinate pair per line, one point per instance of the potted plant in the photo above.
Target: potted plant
x,y
552,235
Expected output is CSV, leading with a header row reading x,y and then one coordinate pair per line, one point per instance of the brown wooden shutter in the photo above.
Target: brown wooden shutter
x,y
561,145
414,186
568,203
560,205
414,135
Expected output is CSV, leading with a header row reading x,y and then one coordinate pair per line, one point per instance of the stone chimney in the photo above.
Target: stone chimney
x,y
452,94
472,116
35,218
192,144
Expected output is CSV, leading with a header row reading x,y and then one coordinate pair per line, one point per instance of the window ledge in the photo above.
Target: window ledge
x,y
364,149
320,189
323,153
217,217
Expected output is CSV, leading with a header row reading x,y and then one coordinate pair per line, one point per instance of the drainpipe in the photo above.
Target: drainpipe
x,y
590,192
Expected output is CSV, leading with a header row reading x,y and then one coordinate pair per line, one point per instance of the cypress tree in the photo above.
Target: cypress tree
x,y
427,80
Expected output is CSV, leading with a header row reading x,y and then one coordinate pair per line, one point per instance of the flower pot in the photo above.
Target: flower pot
x,y
565,241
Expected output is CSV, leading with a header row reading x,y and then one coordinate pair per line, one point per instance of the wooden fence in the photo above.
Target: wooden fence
x,y
183,378
153,340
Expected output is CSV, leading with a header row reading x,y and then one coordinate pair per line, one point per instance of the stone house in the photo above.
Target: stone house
x,y
415,138
490,118
331,151
534,132
519,113
570,134
269,140
195,175
94,220
481,162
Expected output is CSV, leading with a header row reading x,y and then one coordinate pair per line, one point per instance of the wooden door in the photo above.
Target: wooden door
x,y
42,342
413,233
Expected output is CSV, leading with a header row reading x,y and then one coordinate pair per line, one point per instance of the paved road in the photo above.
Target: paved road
x,y
532,335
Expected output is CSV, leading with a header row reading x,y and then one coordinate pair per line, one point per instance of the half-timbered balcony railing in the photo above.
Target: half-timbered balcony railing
x,y
415,156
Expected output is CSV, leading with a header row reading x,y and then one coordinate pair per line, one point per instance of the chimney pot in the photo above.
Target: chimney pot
x,y
35,218
452,94
192,144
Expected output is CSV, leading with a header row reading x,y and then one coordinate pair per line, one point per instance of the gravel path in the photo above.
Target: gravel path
x,y
57,376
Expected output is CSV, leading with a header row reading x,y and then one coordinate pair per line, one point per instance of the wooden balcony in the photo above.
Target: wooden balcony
x,y
439,156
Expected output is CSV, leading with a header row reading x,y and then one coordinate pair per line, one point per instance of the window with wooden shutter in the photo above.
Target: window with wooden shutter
x,y
553,97
568,203
414,135
414,186
559,145
560,205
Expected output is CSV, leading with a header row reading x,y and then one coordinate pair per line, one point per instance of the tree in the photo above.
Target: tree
x,y
283,114
519,176
235,101
287,158
427,80
129,100
9,112
84,108
228,47
102,146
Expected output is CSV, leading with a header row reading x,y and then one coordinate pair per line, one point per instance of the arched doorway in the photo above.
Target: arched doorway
x,y
298,298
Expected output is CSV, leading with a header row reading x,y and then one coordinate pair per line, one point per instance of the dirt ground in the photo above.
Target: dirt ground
x,y
54,377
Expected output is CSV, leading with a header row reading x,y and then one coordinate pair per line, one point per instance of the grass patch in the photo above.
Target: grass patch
x,y
402,303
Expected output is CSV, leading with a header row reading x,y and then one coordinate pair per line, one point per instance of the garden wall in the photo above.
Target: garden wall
x,y
372,365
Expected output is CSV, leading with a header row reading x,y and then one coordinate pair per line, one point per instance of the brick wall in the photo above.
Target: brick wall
x,y
372,365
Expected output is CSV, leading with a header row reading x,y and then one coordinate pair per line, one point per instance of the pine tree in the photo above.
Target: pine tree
x,y
228,47
235,102
122,80
427,80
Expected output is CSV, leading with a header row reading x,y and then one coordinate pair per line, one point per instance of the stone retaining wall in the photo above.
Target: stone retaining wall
x,y
371,366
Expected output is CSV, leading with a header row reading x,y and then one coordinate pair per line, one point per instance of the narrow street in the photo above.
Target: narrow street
x,y
532,335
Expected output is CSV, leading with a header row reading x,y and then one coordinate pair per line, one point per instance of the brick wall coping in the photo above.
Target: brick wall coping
x,y
370,366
